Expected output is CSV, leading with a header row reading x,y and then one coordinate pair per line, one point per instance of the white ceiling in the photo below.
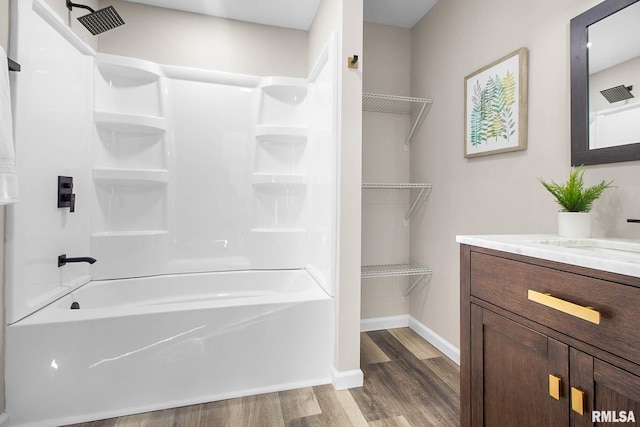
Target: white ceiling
x,y
397,13
298,14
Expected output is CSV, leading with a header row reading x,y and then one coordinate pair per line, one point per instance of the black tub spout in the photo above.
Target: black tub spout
x,y
62,260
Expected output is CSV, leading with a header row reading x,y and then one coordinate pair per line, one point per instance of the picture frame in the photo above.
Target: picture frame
x,y
495,106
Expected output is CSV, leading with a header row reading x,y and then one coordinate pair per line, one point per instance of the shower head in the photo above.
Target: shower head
x,y
98,21
618,93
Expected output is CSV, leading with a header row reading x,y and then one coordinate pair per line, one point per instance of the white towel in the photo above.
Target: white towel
x,y
8,178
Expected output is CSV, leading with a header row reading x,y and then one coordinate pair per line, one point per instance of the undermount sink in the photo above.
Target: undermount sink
x,y
600,246
595,250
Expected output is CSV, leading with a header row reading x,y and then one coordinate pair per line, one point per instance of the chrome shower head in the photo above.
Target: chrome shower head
x,y
98,21
618,93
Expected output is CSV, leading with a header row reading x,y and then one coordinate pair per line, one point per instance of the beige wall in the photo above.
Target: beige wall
x,y
345,18
180,38
326,21
499,193
385,237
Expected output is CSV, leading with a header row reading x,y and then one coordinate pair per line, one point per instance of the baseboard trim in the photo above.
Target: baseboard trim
x,y
346,379
4,420
449,350
403,321
389,322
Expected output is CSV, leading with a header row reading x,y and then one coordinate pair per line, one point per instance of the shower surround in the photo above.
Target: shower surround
x,y
209,202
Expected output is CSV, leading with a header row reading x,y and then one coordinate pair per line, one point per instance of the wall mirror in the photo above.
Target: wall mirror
x,y
605,83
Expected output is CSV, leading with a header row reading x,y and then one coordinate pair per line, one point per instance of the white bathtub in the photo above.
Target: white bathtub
x,y
143,344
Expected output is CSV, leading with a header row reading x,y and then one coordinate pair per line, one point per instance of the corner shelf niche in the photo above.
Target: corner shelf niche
x,y
274,230
282,134
120,71
134,233
290,90
277,180
131,124
396,104
146,177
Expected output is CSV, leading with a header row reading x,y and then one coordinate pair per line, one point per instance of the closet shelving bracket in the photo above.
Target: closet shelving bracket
x,y
396,270
397,105
423,187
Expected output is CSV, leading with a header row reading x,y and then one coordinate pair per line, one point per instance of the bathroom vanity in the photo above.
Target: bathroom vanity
x,y
550,331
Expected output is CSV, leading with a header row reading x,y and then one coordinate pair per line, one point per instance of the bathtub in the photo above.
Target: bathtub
x,y
150,343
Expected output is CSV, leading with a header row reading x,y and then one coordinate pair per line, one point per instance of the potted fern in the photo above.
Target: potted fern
x,y
574,220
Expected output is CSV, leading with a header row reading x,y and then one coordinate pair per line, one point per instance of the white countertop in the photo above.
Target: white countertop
x,y
620,256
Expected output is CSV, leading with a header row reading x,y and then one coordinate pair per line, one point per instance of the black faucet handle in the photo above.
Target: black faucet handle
x,y
66,197
69,200
633,220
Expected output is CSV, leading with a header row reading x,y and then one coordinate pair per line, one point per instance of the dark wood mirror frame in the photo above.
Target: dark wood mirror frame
x,y
580,152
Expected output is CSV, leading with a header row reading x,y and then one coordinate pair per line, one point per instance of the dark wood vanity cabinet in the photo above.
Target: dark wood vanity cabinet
x,y
546,344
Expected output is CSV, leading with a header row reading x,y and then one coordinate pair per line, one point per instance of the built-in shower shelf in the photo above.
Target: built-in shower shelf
x,y
287,89
132,124
423,187
278,180
396,270
275,230
395,104
134,233
282,134
131,176
124,71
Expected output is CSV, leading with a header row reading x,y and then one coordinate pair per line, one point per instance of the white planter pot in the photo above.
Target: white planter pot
x,y
574,224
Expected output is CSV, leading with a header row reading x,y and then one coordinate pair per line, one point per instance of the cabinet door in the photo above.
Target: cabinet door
x,y
610,395
510,381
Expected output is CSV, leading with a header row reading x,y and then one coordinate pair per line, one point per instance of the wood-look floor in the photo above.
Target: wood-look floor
x,y
407,382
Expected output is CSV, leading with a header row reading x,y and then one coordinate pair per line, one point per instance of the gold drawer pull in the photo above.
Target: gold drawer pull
x,y
577,400
554,387
584,313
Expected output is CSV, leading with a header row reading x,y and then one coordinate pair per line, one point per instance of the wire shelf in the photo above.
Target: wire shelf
x,y
396,104
393,270
395,186
396,270
392,103
423,187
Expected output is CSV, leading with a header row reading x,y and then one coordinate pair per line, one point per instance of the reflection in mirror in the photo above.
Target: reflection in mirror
x,y
614,72
605,83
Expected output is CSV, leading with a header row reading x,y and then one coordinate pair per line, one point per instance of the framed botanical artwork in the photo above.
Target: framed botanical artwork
x,y
495,107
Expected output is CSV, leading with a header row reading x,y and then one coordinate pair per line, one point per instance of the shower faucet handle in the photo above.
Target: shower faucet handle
x,y
71,200
66,197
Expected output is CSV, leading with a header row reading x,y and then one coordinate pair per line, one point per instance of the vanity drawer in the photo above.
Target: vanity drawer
x,y
514,285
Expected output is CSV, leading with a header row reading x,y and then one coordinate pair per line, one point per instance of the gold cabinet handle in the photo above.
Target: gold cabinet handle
x,y
554,386
584,313
577,400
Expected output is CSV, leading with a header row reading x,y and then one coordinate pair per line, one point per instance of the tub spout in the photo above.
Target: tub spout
x,y
62,260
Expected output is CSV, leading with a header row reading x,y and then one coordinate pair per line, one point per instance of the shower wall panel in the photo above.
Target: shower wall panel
x,y
205,171
53,96
212,130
